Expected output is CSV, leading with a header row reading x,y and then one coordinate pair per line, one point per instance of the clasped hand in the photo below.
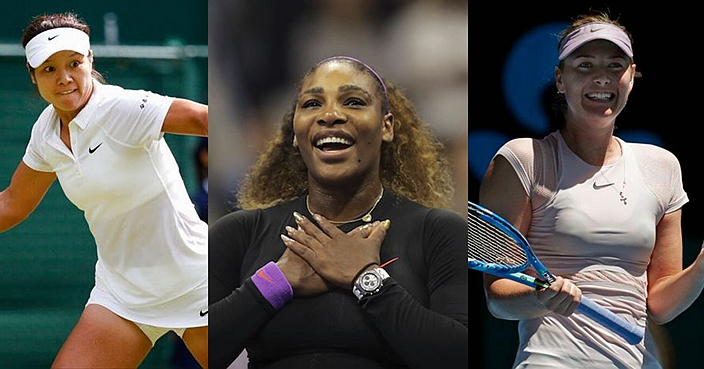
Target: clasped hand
x,y
319,258
562,297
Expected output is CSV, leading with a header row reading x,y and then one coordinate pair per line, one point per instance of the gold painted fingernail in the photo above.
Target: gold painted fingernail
x,y
297,216
386,223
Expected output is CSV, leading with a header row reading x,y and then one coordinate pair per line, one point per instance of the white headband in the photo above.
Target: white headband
x,y
45,44
595,31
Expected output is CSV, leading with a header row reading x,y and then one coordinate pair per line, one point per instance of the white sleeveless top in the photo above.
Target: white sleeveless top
x,y
596,227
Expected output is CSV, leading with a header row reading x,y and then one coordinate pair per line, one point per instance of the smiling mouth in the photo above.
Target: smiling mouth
x,y
328,144
601,96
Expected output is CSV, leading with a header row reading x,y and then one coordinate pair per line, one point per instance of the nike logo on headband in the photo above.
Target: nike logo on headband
x,y
53,37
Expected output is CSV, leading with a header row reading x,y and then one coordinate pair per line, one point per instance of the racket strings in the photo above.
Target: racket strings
x,y
488,244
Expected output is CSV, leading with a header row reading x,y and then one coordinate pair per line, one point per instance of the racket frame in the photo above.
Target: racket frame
x,y
631,332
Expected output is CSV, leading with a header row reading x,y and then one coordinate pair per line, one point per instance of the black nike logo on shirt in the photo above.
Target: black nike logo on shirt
x,y
53,37
600,186
204,313
92,149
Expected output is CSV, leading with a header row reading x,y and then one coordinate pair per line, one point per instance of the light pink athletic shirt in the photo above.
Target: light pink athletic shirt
x,y
582,230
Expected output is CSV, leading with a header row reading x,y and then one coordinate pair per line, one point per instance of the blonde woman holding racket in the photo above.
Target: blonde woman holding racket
x,y
601,213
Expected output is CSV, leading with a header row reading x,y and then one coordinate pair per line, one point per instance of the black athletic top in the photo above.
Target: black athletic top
x,y
417,320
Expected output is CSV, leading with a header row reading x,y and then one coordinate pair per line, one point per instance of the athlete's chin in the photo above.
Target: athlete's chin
x,y
336,176
66,108
68,105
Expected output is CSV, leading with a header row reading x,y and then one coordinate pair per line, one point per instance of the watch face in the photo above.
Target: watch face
x,y
369,281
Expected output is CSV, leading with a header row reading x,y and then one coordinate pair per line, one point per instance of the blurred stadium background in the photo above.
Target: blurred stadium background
x,y
259,50
47,262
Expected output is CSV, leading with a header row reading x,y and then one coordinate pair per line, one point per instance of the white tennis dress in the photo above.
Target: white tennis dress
x,y
152,247
589,227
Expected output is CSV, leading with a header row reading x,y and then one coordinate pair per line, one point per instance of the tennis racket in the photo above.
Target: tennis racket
x,y
496,247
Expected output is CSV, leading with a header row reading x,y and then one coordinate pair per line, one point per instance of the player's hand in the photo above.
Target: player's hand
x,y
301,276
362,231
562,297
332,253
304,281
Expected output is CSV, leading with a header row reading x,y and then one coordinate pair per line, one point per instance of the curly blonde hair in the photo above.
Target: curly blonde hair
x,y
413,165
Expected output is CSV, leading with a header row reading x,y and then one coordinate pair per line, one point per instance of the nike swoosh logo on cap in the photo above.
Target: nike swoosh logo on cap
x,y
599,187
53,37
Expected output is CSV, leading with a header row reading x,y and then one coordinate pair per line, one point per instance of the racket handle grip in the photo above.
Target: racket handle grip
x,y
631,332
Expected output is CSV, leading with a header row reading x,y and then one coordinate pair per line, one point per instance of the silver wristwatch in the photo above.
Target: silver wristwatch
x,y
369,282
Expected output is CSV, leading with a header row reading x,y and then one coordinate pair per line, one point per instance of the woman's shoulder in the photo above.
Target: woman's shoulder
x,y
237,215
445,216
256,214
432,226
105,90
651,153
528,147
657,164
406,207
46,117
112,94
519,144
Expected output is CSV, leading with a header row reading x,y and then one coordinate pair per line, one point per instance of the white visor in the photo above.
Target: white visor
x,y
45,44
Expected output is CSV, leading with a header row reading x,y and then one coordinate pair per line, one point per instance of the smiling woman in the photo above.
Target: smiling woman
x,y
411,163
302,273
98,140
603,212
